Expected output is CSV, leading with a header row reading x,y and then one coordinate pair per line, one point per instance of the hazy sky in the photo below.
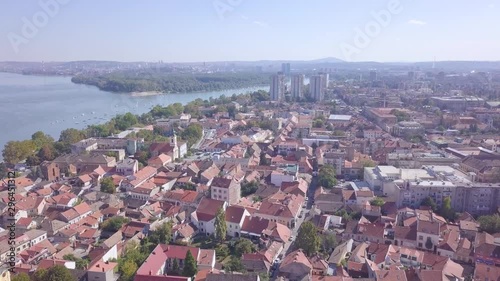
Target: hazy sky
x,y
214,30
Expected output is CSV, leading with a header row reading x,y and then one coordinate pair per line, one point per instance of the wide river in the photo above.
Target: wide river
x,y
52,104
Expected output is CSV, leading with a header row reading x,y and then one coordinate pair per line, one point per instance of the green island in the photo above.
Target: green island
x,y
171,82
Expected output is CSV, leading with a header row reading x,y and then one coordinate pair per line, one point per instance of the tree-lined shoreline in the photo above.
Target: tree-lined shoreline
x,y
170,82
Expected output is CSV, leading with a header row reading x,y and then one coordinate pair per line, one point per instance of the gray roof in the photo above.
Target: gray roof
x,y
34,233
335,117
340,252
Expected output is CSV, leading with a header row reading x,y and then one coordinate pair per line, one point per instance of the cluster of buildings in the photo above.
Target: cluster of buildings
x,y
260,166
318,85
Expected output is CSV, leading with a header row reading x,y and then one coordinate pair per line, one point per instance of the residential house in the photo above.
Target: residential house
x,y
76,213
159,161
296,266
161,260
127,167
227,190
103,271
204,216
235,217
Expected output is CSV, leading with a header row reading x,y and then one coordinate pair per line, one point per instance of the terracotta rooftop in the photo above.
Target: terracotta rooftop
x,y
234,214
207,209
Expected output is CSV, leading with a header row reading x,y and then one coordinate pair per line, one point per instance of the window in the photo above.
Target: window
x,y
420,245
420,237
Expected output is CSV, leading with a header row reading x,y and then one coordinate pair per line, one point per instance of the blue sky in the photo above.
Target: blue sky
x,y
189,30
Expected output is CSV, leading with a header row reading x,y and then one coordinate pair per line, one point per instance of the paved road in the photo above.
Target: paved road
x,y
207,134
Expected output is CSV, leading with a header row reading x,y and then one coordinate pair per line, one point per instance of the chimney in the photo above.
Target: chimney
x,y
103,269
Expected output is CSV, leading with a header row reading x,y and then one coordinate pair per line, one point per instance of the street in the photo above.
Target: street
x,y
305,213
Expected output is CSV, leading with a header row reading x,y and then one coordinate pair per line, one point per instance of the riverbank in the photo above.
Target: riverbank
x,y
53,103
145,94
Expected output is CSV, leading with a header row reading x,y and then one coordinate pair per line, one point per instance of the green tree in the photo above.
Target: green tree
x,y
192,133
243,246
33,160
143,156
58,273
234,265
490,224
400,115
263,161
71,136
80,263
128,270
175,267
190,269
368,163
40,139
163,234
328,242
318,123
326,176
123,122
114,224
16,151
264,276
39,275
108,186
20,277
220,225
47,152
249,188
308,238
102,130
446,210
428,201
377,202
62,147
222,251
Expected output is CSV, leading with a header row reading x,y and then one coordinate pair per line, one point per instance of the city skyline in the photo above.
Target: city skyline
x,y
220,30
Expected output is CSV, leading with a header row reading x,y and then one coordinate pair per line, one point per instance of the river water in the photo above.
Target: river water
x,y
52,104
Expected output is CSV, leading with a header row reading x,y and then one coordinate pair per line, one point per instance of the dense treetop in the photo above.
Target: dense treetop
x,y
168,82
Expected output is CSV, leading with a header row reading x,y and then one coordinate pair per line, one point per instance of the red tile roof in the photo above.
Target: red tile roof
x,y
102,266
254,225
234,214
47,263
157,258
82,208
207,209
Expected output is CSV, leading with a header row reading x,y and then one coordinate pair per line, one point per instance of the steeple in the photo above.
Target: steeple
x,y
173,139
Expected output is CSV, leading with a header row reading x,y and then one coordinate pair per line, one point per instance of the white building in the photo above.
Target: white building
x,y
297,86
204,216
316,87
127,167
277,90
